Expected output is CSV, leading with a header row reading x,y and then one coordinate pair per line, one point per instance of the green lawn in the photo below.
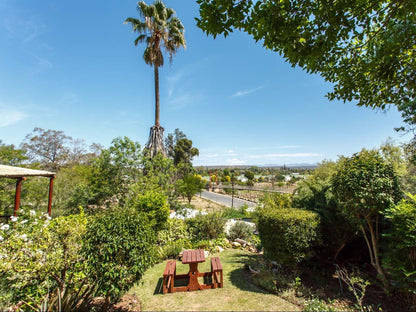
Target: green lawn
x,y
237,294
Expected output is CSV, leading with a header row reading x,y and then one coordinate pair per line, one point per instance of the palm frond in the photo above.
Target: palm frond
x,y
141,38
157,27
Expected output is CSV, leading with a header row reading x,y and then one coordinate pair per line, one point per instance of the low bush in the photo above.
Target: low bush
x,y
173,230
233,213
209,226
41,264
287,234
241,230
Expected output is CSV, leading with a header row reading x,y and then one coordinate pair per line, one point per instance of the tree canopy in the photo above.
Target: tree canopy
x,y
366,48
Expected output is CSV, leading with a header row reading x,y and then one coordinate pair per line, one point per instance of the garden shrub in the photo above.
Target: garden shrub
x,y
232,213
172,249
209,226
277,200
241,230
287,234
173,230
400,257
41,261
119,245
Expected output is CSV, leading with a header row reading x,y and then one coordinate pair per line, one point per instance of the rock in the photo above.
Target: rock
x,y
219,249
235,244
242,242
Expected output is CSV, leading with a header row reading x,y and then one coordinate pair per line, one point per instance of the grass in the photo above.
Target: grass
x,y
236,295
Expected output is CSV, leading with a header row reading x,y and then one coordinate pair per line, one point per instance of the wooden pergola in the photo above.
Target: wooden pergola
x,y
20,175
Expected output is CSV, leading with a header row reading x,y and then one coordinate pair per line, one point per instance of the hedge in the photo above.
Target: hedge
x,y
287,234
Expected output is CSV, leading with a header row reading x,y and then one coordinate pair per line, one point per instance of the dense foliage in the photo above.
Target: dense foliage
x,y
287,235
400,256
118,248
209,226
41,264
315,194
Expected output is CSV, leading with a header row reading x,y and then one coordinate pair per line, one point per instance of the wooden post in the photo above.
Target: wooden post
x,y
17,195
50,196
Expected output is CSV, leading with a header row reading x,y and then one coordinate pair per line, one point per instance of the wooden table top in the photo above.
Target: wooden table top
x,y
193,256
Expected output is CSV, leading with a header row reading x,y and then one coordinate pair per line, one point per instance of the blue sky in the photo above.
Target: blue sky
x,y
72,66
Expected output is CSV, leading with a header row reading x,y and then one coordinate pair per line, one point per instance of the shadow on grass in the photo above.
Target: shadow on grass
x,y
240,277
238,280
159,288
178,283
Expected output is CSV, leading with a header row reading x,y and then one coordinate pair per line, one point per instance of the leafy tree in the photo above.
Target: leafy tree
x,y
114,171
158,28
171,140
366,186
190,185
366,48
408,111
158,173
9,155
48,147
184,152
315,193
153,205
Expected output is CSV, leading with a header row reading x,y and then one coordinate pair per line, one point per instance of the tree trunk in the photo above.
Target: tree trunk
x,y
155,143
157,103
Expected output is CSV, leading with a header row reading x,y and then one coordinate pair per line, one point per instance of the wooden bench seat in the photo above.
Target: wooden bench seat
x,y
169,277
216,270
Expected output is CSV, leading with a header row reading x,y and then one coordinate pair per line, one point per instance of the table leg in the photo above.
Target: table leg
x,y
193,277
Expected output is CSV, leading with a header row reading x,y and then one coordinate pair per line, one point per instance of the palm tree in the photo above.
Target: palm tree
x,y
158,28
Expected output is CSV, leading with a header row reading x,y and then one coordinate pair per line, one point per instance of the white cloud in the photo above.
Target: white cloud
x,y
9,117
246,92
234,162
280,155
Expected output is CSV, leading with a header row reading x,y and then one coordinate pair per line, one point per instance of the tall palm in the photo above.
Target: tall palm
x,y
158,27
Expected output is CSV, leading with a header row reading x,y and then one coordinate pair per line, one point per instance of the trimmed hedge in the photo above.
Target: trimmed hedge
x,y
287,234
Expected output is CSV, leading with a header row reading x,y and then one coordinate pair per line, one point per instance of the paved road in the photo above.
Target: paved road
x,y
225,199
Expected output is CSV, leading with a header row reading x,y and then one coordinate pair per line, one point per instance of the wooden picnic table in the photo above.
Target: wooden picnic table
x,y
192,257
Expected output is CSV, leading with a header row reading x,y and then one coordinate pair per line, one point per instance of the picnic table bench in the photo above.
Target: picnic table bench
x,y
216,269
192,257
169,276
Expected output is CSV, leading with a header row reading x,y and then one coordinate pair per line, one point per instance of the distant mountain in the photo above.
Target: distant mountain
x,y
295,166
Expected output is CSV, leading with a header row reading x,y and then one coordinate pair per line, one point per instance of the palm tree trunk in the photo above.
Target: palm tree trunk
x,y
155,143
157,103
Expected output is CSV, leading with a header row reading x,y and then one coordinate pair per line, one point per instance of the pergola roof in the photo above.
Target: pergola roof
x,y
19,172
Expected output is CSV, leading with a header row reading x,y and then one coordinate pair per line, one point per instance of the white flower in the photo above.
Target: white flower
x,y
13,218
1,238
32,212
23,222
22,211
24,237
48,217
5,227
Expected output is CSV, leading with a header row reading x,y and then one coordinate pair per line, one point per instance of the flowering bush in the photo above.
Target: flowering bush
x,y
37,256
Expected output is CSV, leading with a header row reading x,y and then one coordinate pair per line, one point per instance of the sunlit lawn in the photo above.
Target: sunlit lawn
x,y
236,295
